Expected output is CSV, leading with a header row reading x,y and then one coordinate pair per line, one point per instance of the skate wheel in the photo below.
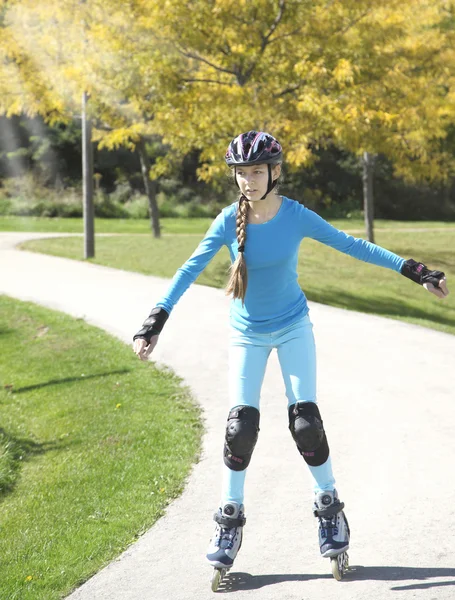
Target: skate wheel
x,y
336,568
216,578
339,565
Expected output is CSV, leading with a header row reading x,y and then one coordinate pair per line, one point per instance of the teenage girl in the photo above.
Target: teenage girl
x,y
263,232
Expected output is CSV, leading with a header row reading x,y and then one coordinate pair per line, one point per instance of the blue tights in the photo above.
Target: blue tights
x,y
248,357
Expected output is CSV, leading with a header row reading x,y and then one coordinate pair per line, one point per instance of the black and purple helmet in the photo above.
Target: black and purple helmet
x,y
253,148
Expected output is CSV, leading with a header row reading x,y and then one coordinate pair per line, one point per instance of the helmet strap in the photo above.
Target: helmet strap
x,y
271,184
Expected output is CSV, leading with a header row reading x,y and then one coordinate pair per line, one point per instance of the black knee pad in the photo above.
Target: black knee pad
x,y
241,436
308,432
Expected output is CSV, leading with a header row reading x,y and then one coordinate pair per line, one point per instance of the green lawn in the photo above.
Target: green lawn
x,y
200,226
42,224
326,276
94,444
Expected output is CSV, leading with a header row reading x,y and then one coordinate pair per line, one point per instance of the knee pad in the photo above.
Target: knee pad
x,y
307,429
241,436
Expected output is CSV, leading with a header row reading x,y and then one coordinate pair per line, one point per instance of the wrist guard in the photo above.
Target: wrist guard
x,y
152,325
419,273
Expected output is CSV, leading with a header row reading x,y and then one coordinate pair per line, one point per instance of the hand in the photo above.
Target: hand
x,y
441,291
142,349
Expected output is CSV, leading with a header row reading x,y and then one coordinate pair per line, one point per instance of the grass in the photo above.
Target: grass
x,y
333,278
326,276
46,225
200,226
93,446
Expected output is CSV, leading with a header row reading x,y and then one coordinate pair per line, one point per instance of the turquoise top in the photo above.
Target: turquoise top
x,y
273,298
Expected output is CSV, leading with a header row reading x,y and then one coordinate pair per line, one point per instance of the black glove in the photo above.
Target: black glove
x,y
419,273
152,325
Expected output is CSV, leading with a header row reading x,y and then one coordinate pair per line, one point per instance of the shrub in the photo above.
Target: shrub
x,y
137,207
122,193
5,206
107,208
194,209
166,205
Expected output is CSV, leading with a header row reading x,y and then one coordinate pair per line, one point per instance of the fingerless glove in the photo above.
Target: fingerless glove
x,y
152,325
419,273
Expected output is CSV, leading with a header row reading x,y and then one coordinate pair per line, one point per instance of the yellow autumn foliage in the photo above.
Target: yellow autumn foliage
x,y
363,75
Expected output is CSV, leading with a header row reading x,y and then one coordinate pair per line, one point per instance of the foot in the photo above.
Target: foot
x,y
333,526
227,538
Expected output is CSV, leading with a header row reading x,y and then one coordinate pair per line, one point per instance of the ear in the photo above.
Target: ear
x,y
276,172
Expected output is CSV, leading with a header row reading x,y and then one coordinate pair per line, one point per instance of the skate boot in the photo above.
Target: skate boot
x,y
226,540
333,525
333,531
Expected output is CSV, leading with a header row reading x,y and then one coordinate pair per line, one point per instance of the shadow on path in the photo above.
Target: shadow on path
x,y
360,573
236,582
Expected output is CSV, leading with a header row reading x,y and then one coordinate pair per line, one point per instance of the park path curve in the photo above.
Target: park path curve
x,y
386,393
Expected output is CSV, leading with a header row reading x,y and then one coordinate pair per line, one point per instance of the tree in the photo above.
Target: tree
x,y
22,88
400,108
87,48
29,92
364,75
369,77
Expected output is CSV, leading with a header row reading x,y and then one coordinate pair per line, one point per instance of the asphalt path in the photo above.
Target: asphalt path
x,y
386,393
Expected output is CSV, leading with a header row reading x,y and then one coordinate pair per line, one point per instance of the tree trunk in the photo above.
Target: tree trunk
x,y
150,189
87,175
368,199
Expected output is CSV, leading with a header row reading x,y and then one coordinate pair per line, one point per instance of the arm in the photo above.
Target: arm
x,y
317,228
146,338
213,240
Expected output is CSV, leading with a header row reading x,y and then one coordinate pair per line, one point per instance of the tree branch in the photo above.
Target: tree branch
x,y
207,62
276,22
354,22
206,81
265,42
289,90
285,35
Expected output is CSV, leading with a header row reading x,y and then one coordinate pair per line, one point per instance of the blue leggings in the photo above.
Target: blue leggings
x,y
248,355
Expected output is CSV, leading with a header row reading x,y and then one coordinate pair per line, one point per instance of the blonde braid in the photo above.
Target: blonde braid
x,y
238,279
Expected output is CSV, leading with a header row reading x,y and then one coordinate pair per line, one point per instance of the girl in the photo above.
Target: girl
x,y
263,232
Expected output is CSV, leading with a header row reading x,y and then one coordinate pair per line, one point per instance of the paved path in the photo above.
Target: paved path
x,y
386,392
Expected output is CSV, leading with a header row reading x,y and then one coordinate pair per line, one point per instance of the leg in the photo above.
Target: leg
x,y
297,355
247,362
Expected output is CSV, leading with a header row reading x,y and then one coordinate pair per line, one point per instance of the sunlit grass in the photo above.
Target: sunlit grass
x,y
45,225
177,225
94,444
333,278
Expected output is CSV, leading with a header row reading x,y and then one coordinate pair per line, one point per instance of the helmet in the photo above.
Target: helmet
x,y
253,148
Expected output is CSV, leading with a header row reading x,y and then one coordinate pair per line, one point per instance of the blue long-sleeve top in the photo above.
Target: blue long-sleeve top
x,y
273,298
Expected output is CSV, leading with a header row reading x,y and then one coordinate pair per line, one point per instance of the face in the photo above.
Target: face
x,y
253,180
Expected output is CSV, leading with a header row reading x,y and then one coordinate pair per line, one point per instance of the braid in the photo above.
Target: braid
x,y
238,279
241,222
